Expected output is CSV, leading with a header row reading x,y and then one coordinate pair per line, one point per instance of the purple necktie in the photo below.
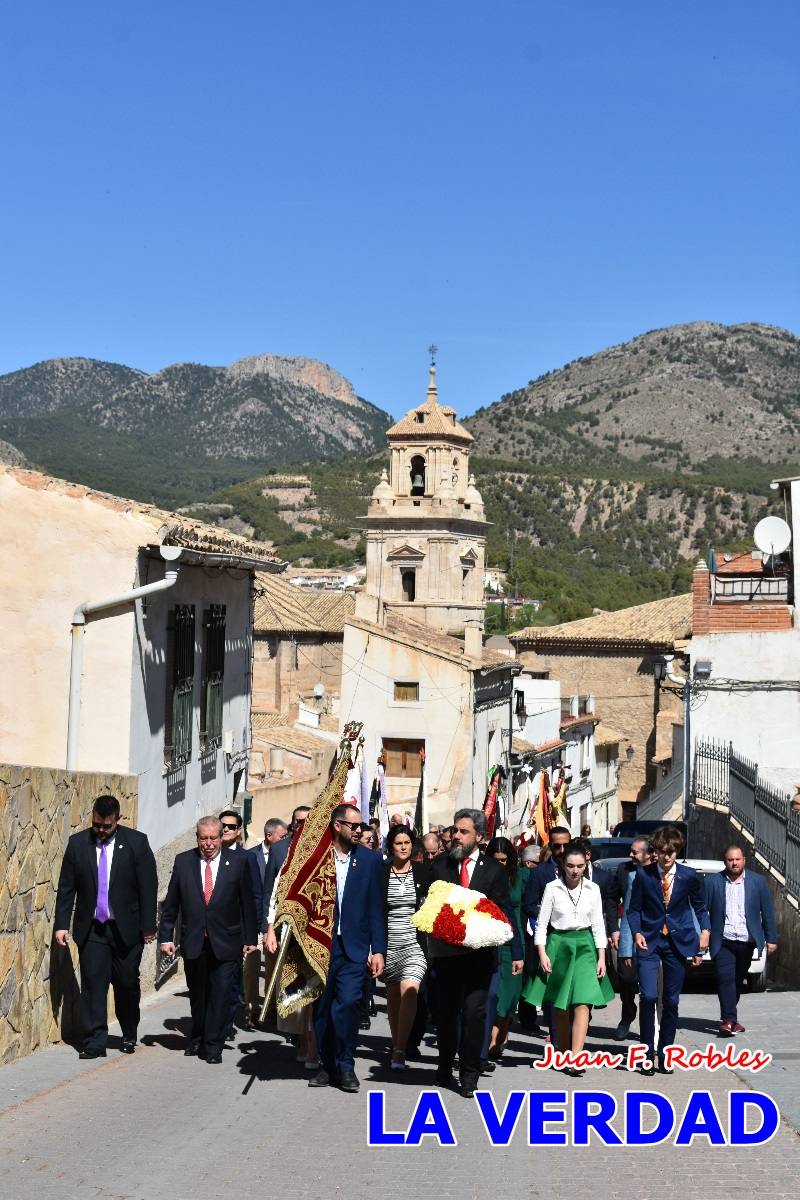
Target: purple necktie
x,y
102,886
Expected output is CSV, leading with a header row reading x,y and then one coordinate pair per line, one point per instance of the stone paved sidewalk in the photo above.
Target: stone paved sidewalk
x,y
157,1124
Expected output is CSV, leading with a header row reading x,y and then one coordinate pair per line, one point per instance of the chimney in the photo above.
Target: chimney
x,y
473,639
701,599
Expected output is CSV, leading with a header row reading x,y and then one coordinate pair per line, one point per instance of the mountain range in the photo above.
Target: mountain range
x,y
603,480
673,399
175,434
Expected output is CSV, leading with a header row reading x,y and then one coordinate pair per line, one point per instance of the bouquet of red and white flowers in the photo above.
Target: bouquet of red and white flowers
x,y
462,917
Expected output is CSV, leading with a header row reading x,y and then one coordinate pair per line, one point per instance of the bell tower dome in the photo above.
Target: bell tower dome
x,y
426,530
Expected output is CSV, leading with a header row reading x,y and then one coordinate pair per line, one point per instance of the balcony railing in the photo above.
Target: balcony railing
x,y
744,589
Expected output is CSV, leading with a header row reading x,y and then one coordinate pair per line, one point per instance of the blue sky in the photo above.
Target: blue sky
x,y
521,181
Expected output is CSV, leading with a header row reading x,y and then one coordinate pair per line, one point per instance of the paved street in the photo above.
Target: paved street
x,y
158,1124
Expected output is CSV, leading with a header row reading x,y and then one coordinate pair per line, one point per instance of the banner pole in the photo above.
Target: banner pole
x,y
283,950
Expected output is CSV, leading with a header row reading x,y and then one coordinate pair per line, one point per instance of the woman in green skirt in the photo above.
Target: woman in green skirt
x,y
571,940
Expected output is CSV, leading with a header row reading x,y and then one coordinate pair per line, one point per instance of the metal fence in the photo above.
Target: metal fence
x,y
726,779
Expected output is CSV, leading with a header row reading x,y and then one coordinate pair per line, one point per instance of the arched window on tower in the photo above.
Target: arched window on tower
x,y
408,579
417,475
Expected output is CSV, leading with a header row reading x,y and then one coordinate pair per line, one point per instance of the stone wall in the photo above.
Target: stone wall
x,y
39,809
286,667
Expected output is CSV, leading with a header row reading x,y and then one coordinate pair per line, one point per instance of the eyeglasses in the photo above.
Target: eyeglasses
x,y
230,826
353,824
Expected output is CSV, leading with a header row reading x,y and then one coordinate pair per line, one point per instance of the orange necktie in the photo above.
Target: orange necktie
x,y
666,890
208,884
464,878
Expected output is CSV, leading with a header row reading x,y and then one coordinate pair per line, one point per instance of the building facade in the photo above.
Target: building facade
x,y
158,685
613,657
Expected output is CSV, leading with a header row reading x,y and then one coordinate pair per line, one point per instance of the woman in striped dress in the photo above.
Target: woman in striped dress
x,y
405,956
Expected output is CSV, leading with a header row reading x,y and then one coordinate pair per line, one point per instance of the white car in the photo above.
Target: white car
x,y
757,971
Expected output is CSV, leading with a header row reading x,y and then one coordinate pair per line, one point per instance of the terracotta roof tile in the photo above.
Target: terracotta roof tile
x,y
656,624
282,607
445,642
520,746
287,736
438,420
604,735
169,528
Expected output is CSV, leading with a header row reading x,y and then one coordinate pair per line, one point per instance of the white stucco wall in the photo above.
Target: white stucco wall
x,y
58,549
456,743
171,803
763,725
442,718
542,708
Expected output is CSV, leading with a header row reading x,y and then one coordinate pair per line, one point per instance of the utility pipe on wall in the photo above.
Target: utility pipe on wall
x,y
686,695
170,554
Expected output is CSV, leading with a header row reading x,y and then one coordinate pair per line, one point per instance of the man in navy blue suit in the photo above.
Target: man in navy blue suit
x,y
663,897
742,919
358,941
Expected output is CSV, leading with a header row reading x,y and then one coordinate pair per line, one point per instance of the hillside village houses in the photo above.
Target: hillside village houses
x,y
127,646
611,664
551,732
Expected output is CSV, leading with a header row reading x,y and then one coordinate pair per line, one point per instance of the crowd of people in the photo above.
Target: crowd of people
x,y
565,913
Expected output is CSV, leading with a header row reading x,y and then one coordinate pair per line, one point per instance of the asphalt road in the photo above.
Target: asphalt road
x,y
157,1124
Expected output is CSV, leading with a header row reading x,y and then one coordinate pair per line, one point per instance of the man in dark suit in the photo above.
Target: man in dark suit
x,y
742,920
213,891
545,873
622,882
463,976
560,837
277,857
358,942
663,898
274,831
109,875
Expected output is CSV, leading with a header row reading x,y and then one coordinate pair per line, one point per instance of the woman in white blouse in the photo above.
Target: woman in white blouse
x,y
571,940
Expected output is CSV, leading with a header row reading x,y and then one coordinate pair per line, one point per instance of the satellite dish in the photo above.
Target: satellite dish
x,y
772,535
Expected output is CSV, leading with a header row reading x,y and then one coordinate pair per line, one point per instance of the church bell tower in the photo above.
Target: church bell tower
x,y
426,529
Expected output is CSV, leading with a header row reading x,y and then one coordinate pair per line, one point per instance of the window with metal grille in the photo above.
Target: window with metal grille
x,y
213,676
404,691
402,757
180,686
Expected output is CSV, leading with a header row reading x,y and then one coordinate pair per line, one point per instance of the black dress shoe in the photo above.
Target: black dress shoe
x,y
92,1054
467,1090
321,1079
348,1082
192,1050
487,1066
648,1071
444,1076
128,1047
214,1058
663,1069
